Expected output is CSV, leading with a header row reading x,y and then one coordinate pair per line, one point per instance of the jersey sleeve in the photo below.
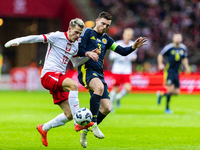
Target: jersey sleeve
x,y
185,50
112,45
51,37
82,42
25,39
166,49
77,61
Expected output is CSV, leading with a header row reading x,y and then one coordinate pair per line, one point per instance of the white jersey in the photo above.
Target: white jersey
x,y
122,64
60,50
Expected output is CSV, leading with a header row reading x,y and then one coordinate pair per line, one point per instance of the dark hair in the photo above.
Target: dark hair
x,y
105,15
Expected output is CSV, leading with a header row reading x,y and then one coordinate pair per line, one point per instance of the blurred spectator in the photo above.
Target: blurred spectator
x,y
157,20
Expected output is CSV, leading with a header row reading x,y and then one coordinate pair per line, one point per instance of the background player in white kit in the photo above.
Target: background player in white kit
x,y
62,47
122,68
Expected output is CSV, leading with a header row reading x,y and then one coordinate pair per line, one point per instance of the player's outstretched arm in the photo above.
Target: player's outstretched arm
x,y
124,51
139,42
77,61
14,42
26,39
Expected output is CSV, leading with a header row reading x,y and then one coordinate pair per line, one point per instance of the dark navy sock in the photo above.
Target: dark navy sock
x,y
165,94
94,106
168,100
100,117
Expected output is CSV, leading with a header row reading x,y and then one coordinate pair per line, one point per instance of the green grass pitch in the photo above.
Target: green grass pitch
x,y
139,124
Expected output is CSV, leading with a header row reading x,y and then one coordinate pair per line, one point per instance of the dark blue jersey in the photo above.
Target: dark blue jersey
x,y
174,56
90,40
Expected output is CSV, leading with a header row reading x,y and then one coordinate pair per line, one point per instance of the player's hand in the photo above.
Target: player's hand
x,y
92,55
14,42
187,70
97,51
139,42
161,66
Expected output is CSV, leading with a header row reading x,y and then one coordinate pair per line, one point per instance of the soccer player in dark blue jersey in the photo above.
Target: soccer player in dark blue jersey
x,y
91,74
176,55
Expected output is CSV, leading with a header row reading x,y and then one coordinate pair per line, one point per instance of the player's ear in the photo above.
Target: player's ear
x,y
69,28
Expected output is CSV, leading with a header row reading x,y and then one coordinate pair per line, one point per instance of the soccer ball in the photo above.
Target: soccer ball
x,y
83,116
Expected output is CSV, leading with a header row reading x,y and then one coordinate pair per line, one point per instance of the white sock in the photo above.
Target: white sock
x,y
112,97
121,94
59,120
73,102
85,131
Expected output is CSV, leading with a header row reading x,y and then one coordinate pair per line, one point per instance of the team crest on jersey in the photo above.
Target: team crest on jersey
x,y
94,74
173,52
181,52
68,47
104,40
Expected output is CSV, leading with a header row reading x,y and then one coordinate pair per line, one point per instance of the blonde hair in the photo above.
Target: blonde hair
x,y
78,22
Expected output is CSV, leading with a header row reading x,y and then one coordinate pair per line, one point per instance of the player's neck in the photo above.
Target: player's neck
x,y
176,45
126,42
67,36
96,30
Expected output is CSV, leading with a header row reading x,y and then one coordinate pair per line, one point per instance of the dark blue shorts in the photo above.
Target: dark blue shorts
x,y
85,77
173,78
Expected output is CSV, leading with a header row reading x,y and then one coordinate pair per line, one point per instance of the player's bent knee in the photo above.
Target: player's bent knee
x,y
106,110
70,85
100,89
74,87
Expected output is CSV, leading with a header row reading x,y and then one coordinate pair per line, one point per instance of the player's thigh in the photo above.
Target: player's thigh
x,y
170,89
66,109
105,106
96,85
69,84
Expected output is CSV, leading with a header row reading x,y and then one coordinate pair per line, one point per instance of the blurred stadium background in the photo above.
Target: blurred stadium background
x,y
148,128
155,19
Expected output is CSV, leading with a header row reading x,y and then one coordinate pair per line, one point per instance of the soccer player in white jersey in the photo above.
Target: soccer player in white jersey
x,y
62,47
122,68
